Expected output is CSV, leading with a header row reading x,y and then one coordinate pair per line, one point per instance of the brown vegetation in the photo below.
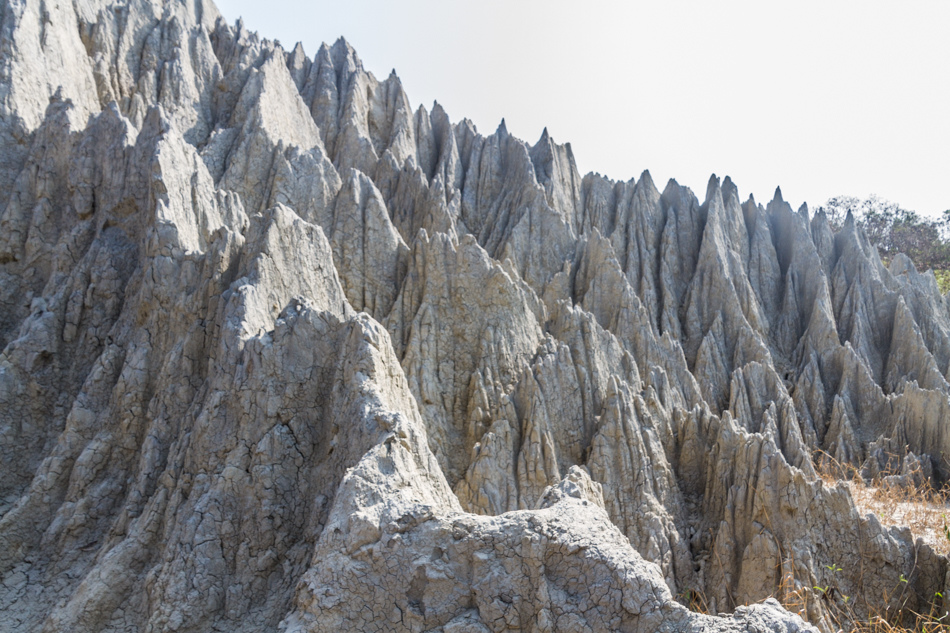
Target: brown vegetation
x,y
923,509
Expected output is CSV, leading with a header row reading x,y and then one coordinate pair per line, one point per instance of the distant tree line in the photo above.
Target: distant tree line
x,y
894,229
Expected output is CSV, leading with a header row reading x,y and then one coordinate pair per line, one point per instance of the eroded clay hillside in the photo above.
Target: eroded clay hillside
x,y
281,353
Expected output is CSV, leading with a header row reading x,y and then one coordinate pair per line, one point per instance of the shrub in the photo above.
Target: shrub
x,y
894,229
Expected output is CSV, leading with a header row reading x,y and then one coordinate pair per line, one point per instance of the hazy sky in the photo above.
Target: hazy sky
x,y
822,98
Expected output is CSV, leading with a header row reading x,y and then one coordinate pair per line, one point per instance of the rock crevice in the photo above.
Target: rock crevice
x,y
279,352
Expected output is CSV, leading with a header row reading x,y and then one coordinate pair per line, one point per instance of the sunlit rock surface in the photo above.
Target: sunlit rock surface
x,y
281,353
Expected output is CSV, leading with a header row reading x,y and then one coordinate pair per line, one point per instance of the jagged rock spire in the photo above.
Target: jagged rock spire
x,y
275,344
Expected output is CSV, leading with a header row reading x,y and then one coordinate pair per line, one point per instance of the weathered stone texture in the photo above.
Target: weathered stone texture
x,y
280,353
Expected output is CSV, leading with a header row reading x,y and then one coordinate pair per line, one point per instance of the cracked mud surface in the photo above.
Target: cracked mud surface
x,y
281,353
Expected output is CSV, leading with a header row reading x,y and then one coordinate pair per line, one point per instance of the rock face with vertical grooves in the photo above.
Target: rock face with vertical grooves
x,y
281,353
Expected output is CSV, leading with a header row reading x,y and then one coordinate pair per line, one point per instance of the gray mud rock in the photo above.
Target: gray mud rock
x,y
281,353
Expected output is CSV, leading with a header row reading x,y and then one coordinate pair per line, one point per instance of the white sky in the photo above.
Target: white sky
x,y
823,98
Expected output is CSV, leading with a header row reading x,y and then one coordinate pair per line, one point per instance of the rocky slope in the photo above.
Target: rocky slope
x,y
281,353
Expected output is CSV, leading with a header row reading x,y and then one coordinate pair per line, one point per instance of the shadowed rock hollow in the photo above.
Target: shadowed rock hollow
x,y
281,353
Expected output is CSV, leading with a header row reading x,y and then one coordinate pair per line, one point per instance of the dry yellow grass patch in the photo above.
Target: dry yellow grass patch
x,y
922,508
926,512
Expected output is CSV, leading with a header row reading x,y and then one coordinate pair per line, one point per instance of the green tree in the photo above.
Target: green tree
x,y
894,229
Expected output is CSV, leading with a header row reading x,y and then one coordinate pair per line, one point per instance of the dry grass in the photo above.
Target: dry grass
x,y
924,624
926,512
923,509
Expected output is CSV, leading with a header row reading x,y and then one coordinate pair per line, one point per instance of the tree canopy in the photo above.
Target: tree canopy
x,y
894,229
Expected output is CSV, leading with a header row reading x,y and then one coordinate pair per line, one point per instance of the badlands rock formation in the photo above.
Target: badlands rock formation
x,y
282,354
